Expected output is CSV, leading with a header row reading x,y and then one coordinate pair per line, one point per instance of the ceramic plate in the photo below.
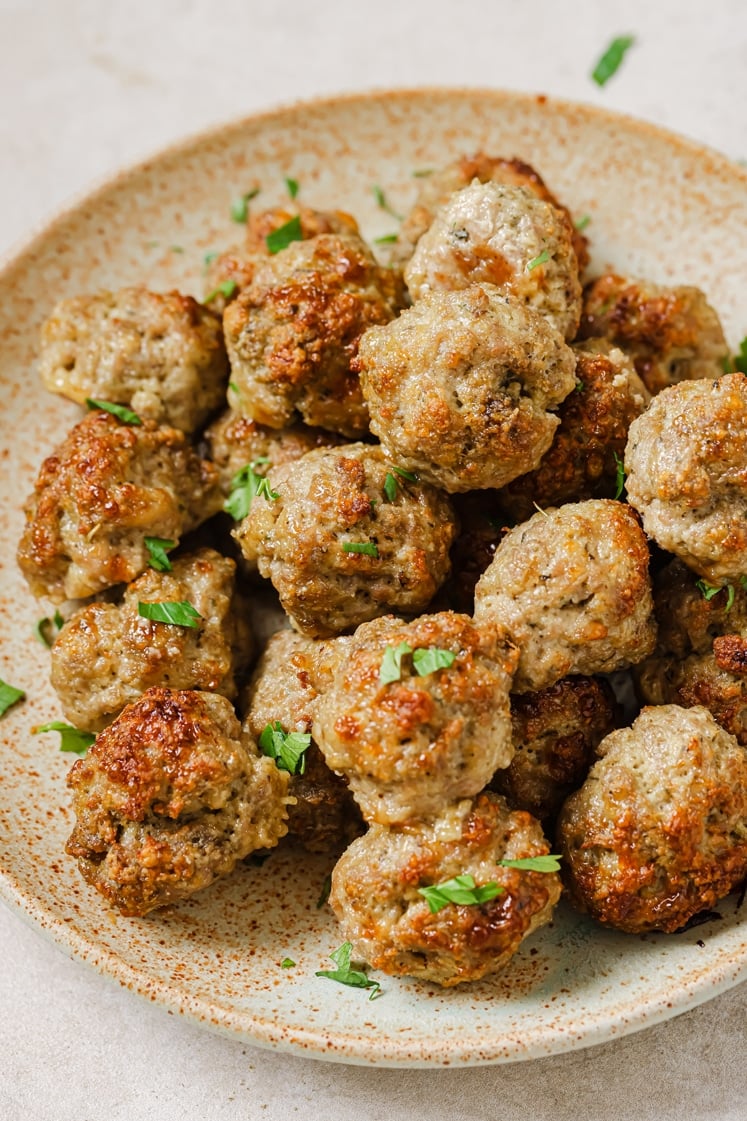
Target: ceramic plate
x,y
660,207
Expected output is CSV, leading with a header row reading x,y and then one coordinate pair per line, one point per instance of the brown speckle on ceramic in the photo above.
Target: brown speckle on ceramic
x,y
662,208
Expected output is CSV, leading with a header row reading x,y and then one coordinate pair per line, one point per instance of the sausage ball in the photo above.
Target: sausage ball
x,y
481,527
672,334
582,461
571,588
461,386
105,489
106,654
161,354
686,464
418,714
488,233
657,832
289,678
437,188
555,733
376,892
347,538
169,798
293,333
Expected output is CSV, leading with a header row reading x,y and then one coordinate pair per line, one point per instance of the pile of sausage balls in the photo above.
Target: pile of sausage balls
x,y
425,460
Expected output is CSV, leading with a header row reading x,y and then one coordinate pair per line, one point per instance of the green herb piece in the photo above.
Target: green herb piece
x,y
346,975
740,358
381,201
726,364
176,248
324,893
548,863
287,963
232,385
537,261
366,547
226,288
391,664
119,411
157,558
430,659
291,186
579,387
71,739
620,476
208,259
610,61
283,236
582,222
178,614
708,591
264,490
461,890
246,485
390,487
385,239
9,696
240,206
45,630
423,172
286,748
730,595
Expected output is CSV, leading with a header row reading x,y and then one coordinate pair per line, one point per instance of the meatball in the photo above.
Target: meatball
x,y
438,187
686,464
482,525
169,798
589,443
233,441
347,538
105,489
459,387
287,682
418,714
672,334
555,733
161,354
572,589
658,832
376,892
489,233
292,334
106,654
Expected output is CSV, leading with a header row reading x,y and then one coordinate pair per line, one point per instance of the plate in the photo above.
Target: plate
x,y
660,207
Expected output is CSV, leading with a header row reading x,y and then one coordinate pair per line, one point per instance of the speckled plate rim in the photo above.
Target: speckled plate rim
x,y
730,964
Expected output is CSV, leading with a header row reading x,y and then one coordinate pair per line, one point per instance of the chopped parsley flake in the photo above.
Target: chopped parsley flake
x,y
391,664
381,202
324,893
291,186
288,749
71,739
346,975
208,259
579,387
176,248
537,261
423,172
179,614
282,237
430,659
409,475
385,239
9,696
548,863
740,358
45,630
157,548
121,412
240,206
226,288
582,222
246,485
461,890
708,591
390,487
368,548
620,476
610,61
287,963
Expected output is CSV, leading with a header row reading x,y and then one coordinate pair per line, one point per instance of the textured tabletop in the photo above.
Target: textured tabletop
x,y
88,87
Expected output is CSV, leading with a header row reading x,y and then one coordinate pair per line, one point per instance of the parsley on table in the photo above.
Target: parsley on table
x,y
9,696
282,237
179,613
610,61
582,222
288,749
292,187
461,890
121,412
324,893
240,206
381,202
46,629
346,975
287,963
71,739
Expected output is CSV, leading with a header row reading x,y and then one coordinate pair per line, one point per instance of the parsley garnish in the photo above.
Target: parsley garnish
x,y
430,659
390,487
157,558
346,975
391,664
461,890
620,476
423,172
44,626
288,749
232,385
240,206
208,259
611,59
740,358
71,739
287,963
176,248
282,237
409,475
548,863
9,696
579,387
366,547
708,591
226,288
582,222
121,412
381,201
178,614
246,485
291,186
385,239
324,893
541,260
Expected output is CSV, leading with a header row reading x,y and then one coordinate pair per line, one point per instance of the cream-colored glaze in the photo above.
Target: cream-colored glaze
x,y
661,207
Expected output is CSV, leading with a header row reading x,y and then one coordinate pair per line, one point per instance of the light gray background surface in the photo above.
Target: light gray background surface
x,y
87,86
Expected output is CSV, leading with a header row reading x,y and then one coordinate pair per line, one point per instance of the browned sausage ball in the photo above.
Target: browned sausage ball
x,y
672,334
658,831
555,733
418,714
489,233
571,588
105,489
289,678
437,187
106,654
582,461
461,386
169,798
161,354
686,464
338,548
293,333
375,892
